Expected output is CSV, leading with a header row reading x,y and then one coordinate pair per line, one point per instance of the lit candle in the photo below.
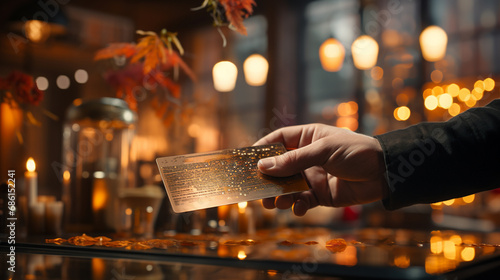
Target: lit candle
x,y
31,178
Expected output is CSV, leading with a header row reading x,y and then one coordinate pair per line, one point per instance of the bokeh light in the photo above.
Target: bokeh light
x,y
431,102
42,83
445,100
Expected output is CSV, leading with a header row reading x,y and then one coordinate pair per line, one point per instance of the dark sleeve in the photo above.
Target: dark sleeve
x,y
431,162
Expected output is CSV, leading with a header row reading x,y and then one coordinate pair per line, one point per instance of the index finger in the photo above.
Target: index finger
x,y
292,137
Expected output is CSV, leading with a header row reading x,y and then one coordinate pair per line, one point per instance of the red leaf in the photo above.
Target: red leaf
x,y
237,11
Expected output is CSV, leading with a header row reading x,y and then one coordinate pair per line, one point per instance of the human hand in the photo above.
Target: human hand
x,y
342,167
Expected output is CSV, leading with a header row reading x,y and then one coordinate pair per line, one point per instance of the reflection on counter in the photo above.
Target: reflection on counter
x,y
434,252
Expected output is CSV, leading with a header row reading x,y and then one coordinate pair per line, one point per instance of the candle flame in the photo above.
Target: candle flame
x,y
30,164
242,255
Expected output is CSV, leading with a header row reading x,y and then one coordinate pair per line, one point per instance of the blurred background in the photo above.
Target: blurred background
x,y
367,66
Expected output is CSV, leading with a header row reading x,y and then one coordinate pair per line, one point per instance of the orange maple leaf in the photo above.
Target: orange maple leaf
x,y
237,11
116,49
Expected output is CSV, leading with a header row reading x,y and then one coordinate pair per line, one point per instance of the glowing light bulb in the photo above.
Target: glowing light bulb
x,y
433,41
331,55
255,69
364,52
224,75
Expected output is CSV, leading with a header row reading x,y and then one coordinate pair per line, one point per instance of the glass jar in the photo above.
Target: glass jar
x,y
98,161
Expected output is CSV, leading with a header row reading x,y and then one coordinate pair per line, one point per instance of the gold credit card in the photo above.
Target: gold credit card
x,y
204,180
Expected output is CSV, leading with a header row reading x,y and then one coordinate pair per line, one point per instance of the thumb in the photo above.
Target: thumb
x,y
293,162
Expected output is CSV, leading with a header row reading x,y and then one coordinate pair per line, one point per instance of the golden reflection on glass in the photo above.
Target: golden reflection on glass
x,y
348,257
449,250
98,268
437,205
469,198
272,272
435,264
402,261
456,239
449,202
436,244
468,254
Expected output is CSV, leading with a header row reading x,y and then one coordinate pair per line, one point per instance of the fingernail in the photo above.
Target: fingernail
x,y
267,163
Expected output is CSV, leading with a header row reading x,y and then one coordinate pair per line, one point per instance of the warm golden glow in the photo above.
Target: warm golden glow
x,y
272,272
449,250
37,31
347,108
437,205
241,255
349,122
66,176
128,211
242,206
402,261
453,90
364,52
468,254
449,202
427,92
477,95
348,256
479,86
431,102
436,76
470,102
436,244
489,84
255,69
454,109
331,55
469,198
224,76
377,73
437,90
456,239
194,130
464,94
402,113
30,165
445,100
99,194
433,41
402,99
